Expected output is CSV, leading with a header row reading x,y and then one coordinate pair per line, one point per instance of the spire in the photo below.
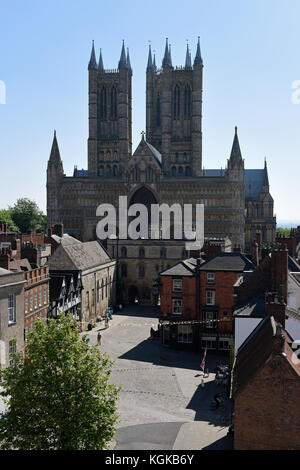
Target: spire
x,y
123,60
100,64
188,60
154,62
198,58
55,154
128,62
167,57
92,62
266,177
170,58
150,63
236,155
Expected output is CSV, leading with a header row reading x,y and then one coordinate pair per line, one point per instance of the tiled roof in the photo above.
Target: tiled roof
x,y
66,239
183,268
228,262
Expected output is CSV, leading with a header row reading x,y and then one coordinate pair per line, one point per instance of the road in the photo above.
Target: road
x,y
162,404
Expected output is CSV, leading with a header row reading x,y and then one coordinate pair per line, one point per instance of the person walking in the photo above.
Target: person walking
x,y
99,337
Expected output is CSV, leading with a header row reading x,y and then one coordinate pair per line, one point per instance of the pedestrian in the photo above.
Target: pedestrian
x,y
218,399
99,338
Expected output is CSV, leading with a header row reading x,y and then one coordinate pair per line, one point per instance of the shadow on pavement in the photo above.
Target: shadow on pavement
x,y
151,350
225,443
139,311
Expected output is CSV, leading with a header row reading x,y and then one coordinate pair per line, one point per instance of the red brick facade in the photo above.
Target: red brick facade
x,y
36,295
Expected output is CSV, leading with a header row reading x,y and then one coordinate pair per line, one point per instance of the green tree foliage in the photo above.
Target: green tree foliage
x,y
27,216
284,231
59,397
5,216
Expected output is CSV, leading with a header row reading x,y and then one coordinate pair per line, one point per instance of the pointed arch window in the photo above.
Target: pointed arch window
x,y
108,170
180,171
115,170
188,171
124,270
103,103
113,103
187,101
149,174
142,253
176,102
141,271
173,170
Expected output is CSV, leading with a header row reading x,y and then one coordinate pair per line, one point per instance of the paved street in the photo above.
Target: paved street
x,y
162,404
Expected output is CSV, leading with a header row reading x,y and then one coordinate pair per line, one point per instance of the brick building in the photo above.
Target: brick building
x,y
36,295
266,390
217,279
197,303
179,304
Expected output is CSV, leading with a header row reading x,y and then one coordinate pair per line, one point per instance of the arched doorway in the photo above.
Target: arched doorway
x,y
133,295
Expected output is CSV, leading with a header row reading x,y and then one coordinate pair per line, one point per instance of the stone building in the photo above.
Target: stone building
x,y
90,262
11,315
166,167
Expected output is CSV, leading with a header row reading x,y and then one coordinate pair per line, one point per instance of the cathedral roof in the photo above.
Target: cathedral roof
x,y
155,152
254,180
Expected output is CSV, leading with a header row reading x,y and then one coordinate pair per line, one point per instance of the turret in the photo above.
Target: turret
x,y
55,165
92,63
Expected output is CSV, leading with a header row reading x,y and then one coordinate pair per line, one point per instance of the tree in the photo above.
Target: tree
x,y
58,397
27,215
5,216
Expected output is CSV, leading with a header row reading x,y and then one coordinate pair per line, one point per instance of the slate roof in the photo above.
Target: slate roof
x,y
228,262
80,173
183,268
66,239
254,307
253,180
78,256
155,152
4,272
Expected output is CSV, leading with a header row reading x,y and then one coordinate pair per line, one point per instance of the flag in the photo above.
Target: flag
x,y
203,360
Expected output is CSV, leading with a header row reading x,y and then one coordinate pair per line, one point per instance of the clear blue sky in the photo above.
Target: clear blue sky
x,y
251,53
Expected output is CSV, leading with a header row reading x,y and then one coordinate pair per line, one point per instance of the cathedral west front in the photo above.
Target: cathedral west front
x,y
166,167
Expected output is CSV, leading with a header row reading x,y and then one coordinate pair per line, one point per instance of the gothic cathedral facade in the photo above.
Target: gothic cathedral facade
x,y
166,167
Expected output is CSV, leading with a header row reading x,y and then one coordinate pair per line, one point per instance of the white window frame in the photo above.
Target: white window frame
x,y
210,319
176,306
177,285
11,309
12,349
185,334
213,297
210,278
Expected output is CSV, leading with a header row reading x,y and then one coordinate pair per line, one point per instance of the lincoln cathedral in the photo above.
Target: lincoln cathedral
x,y
166,167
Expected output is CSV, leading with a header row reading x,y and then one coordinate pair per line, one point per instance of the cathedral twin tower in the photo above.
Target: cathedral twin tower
x,y
173,114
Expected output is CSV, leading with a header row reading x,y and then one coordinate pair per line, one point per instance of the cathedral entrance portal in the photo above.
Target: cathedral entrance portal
x,y
133,295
